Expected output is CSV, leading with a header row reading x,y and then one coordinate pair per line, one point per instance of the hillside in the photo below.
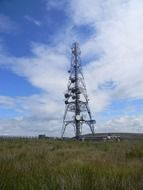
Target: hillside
x,y
122,136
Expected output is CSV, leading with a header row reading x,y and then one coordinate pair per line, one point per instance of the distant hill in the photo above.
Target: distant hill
x,y
122,136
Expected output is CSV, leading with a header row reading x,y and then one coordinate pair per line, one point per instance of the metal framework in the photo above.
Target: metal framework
x,y
77,110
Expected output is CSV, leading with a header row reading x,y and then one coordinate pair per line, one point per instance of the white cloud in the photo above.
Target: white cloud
x,y
29,126
118,40
132,124
55,4
33,126
46,69
41,106
36,114
96,12
7,102
32,20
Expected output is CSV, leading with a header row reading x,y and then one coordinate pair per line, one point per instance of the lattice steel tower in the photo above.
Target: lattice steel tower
x,y
77,110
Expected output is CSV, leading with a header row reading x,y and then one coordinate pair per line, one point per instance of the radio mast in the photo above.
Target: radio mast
x,y
77,110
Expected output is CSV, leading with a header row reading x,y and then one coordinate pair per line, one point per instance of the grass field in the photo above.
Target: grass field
x,y
57,165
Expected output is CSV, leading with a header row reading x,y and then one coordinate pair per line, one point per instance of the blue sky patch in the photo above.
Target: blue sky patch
x,y
13,85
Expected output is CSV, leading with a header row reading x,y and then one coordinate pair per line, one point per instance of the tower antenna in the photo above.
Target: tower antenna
x,y
77,110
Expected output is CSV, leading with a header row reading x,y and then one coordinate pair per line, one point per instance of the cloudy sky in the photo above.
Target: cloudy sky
x,y
35,41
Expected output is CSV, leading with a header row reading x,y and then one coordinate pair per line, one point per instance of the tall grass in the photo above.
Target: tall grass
x,y
57,165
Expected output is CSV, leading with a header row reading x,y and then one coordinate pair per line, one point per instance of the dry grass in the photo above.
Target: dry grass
x,y
57,165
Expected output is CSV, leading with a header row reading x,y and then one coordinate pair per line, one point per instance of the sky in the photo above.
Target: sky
x,y
35,41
